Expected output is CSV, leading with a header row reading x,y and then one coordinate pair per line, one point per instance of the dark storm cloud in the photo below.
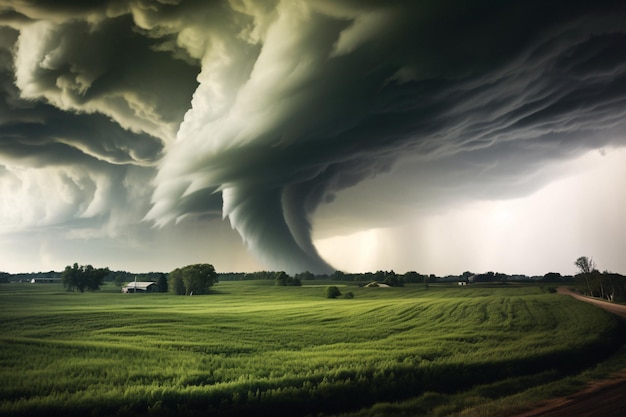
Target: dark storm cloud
x,y
296,101
85,111
62,168
44,135
107,67
85,70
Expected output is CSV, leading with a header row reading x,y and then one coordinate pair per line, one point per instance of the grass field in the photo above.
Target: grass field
x,y
256,349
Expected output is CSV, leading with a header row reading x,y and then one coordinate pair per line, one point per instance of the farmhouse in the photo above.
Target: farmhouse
x,y
140,286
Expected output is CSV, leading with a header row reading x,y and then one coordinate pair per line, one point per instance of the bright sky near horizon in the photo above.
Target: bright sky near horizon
x,y
576,214
435,136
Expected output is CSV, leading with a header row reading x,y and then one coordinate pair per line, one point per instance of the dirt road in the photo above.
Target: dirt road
x,y
617,309
606,398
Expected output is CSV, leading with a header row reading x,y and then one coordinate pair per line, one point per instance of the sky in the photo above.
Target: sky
x,y
357,135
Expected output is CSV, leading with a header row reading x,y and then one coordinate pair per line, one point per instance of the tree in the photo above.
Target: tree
x,y
284,280
617,286
332,292
413,277
392,279
119,280
162,283
338,276
83,277
176,281
306,275
586,267
196,279
379,276
552,277
597,283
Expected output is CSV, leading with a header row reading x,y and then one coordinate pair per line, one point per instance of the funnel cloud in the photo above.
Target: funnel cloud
x,y
123,120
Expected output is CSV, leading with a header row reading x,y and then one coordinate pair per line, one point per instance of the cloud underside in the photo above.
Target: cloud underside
x,y
262,112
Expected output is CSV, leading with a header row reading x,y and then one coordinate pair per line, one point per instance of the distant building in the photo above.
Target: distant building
x,y
140,286
45,281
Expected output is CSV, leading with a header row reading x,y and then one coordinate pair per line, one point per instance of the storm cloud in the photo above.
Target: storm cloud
x,y
159,111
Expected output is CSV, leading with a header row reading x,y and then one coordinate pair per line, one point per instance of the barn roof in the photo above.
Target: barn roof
x,y
139,285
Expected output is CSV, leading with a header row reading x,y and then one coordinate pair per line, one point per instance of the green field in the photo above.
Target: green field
x,y
253,348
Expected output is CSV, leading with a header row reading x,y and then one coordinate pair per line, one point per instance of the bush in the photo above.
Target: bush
x,y
332,292
348,295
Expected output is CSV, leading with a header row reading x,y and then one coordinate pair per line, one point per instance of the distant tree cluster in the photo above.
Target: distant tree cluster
x,y
284,280
84,277
305,276
607,285
192,279
280,277
267,275
390,278
489,277
162,283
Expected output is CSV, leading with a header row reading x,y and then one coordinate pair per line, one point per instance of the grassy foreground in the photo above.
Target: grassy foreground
x,y
255,349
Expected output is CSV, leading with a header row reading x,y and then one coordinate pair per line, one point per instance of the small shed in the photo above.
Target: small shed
x,y
140,286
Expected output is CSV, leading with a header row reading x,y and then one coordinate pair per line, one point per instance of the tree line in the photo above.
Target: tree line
x,y
199,278
388,277
606,285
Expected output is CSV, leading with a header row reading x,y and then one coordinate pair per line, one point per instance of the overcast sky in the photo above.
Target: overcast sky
x,y
435,136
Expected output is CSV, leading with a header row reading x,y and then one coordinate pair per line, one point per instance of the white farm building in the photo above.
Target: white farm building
x,y
140,286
